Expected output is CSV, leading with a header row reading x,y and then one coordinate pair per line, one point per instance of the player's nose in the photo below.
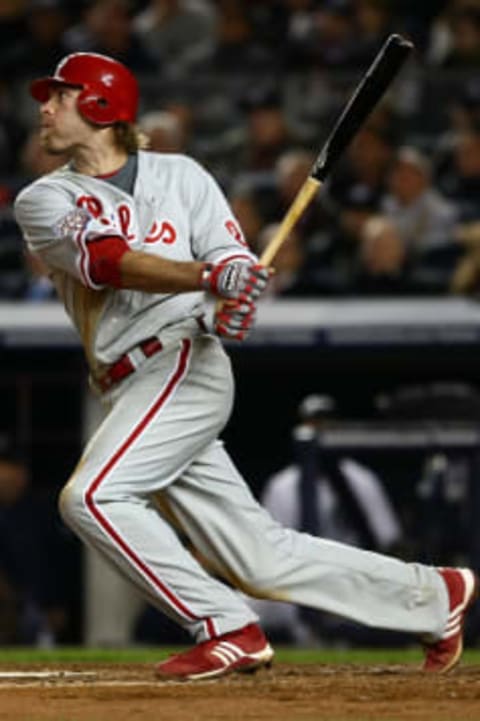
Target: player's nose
x,y
47,107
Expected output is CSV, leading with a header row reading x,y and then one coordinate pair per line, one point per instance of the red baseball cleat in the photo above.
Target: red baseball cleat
x,y
462,586
243,650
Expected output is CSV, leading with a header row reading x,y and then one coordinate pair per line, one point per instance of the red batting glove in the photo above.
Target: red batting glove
x,y
235,319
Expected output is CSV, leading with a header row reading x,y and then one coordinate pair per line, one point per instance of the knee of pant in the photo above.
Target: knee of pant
x,y
257,582
71,504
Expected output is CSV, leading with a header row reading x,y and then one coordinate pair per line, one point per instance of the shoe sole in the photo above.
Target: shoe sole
x,y
472,590
249,664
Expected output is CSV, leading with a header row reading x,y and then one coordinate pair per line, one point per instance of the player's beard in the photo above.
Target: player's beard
x,y
52,144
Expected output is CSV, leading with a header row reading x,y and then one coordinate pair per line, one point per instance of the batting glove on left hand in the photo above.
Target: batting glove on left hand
x,y
235,280
235,319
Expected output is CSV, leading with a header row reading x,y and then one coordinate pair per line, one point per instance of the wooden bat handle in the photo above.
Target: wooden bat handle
x,y
302,199
300,202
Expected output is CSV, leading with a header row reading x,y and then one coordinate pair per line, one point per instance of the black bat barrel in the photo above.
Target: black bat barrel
x,y
371,88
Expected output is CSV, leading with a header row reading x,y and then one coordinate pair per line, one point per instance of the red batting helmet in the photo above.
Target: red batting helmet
x,y
109,90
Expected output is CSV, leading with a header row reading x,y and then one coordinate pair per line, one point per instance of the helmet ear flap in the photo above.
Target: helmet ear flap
x,y
95,107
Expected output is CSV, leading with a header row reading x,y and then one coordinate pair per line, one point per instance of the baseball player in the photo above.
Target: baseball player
x,y
133,240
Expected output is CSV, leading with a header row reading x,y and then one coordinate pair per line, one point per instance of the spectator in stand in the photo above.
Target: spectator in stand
x,y
23,277
338,267
20,278
267,133
291,170
381,260
367,161
424,219
461,39
461,181
355,208
176,123
163,130
323,36
312,228
439,35
184,112
465,111
260,133
355,191
463,117
454,155
299,32
180,34
107,27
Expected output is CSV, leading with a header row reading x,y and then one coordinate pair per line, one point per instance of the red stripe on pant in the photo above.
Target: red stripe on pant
x,y
171,598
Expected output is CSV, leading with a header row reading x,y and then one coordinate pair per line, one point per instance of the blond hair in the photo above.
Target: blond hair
x,y
129,137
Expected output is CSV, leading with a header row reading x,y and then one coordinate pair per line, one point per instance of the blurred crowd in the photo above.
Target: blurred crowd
x,y
38,558
251,88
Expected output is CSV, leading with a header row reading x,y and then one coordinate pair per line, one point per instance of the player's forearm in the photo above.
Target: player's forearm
x,y
112,263
153,274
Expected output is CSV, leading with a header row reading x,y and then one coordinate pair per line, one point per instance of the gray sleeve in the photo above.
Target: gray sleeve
x,y
56,230
216,234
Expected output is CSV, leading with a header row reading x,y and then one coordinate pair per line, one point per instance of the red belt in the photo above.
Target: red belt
x,y
126,365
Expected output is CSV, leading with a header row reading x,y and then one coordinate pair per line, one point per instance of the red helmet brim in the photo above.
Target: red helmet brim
x,y
40,89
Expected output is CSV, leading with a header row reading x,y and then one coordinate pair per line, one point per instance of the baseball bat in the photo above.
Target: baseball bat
x,y
365,97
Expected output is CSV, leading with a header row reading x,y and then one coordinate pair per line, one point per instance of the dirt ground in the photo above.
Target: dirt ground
x,y
284,693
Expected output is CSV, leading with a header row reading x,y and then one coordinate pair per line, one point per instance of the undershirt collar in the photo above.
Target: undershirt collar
x,y
123,178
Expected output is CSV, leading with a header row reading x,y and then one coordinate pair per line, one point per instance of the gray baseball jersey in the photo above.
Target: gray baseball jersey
x,y
177,211
156,464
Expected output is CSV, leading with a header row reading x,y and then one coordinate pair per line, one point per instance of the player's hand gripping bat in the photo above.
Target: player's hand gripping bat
x,y
368,93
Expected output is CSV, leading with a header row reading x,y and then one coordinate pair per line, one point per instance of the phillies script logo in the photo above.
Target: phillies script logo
x,y
91,204
235,232
124,215
162,232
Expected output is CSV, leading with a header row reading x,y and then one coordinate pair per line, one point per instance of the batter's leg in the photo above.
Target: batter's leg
x,y
149,553
157,426
241,541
